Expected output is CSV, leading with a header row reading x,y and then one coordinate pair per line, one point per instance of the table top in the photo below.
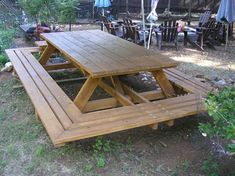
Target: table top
x,y
101,54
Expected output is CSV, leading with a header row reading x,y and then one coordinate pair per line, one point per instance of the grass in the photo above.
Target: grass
x,y
25,148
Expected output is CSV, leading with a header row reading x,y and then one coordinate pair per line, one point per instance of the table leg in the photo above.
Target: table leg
x,y
117,84
50,49
86,91
185,38
164,83
124,89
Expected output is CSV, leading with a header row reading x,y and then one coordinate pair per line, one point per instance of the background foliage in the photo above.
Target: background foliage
x,y
51,11
6,39
221,107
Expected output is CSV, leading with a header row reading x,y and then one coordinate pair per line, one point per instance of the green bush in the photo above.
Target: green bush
x,y
6,39
221,107
210,167
3,59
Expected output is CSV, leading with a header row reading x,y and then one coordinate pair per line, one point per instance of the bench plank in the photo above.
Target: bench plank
x,y
189,79
134,116
65,102
190,85
157,106
48,118
55,106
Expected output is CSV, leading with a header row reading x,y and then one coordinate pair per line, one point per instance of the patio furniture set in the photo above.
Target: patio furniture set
x,y
208,32
103,59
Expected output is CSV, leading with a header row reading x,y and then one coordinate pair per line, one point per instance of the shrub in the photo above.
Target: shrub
x,y
221,107
3,59
210,167
6,39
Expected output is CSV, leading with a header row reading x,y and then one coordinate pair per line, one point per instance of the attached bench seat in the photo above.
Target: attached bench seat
x,y
128,117
41,44
187,83
56,111
64,122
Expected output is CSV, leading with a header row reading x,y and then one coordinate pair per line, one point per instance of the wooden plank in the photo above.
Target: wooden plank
x,y
93,54
156,111
105,59
190,79
50,49
127,51
117,84
58,66
134,95
58,81
55,106
108,103
65,102
122,124
118,96
188,84
69,51
86,92
169,123
40,43
30,49
164,83
48,118
106,55
153,110
154,126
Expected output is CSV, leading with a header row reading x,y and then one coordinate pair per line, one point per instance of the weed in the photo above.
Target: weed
x,y
100,161
88,167
185,165
3,161
101,145
210,167
12,151
3,59
40,151
30,167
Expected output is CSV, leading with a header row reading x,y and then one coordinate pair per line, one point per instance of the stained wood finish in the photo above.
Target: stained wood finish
x,y
102,54
50,49
91,52
164,83
86,92
131,117
58,66
41,44
118,96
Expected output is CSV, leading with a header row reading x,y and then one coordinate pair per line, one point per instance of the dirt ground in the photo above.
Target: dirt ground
x,y
181,150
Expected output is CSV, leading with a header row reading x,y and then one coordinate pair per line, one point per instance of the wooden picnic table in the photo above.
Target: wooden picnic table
x,y
100,55
103,58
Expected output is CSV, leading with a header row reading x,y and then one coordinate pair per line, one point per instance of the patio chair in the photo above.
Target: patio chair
x,y
204,35
167,33
218,34
204,18
116,30
133,32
